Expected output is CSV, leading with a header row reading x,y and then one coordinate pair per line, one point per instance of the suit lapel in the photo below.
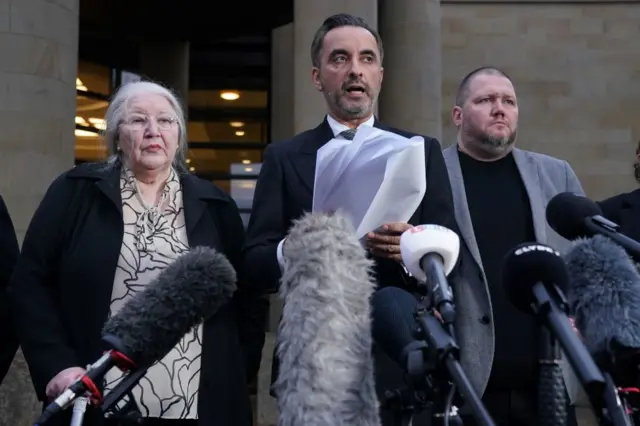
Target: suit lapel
x,y
195,197
304,160
461,206
109,184
531,178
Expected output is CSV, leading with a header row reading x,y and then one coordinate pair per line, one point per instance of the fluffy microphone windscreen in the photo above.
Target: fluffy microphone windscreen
x,y
183,295
566,213
324,338
525,266
604,294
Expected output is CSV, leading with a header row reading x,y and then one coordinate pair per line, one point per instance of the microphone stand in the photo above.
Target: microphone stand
x,y
435,373
602,392
442,351
552,400
120,391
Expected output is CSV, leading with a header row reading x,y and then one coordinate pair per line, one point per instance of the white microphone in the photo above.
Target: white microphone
x,y
430,252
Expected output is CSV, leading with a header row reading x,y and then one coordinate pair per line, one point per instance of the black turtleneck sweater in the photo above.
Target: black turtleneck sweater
x,y
501,216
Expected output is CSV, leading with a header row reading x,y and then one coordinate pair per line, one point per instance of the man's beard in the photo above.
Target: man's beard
x,y
353,111
497,142
493,144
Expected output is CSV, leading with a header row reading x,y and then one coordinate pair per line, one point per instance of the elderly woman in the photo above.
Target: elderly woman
x,y
102,232
624,209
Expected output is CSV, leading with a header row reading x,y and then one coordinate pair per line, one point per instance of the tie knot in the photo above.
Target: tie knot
x,y
348,134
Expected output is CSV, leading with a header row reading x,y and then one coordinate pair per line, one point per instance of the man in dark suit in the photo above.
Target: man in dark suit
x,y
9,251
624,209
347,69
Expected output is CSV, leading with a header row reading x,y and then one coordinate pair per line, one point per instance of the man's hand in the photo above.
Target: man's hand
x,y
385,241
62,381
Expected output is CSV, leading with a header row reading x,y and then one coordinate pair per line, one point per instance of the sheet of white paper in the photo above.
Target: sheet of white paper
x,y
332,156
401,191
376,178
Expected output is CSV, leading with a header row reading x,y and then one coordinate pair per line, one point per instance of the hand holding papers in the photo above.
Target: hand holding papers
x,y
377,178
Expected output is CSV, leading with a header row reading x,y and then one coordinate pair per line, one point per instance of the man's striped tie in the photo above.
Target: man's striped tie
x,y
348,134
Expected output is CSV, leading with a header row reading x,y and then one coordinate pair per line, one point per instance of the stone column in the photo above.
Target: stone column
x,y
281,128
310,107
282,97
167,63
39,50
412,86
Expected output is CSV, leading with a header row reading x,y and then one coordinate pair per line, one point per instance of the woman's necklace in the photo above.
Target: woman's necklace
x,y
145,224
144,204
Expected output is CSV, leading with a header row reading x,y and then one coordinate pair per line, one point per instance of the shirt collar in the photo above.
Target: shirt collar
x,y
336,127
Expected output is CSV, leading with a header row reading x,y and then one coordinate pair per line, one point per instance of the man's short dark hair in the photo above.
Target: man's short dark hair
x,y
463,89
337,21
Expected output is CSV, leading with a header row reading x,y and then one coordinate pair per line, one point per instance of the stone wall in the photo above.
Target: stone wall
x,y
39,51
576,69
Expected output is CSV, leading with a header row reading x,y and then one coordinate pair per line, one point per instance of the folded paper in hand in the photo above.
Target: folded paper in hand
x,y
376,178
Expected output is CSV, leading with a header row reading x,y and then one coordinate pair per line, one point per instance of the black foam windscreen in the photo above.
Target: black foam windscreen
x,y
183,295
394,325
528,264
566,213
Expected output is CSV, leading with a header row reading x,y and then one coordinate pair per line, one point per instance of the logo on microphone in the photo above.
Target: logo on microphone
x,y
535,247
421,228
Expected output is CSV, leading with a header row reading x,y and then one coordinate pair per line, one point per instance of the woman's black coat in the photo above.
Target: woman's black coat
x,y
61,288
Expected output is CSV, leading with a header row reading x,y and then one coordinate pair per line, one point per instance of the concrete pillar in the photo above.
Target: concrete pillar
x,y
412,86
282,97
167,63
281,128
39,50
310,107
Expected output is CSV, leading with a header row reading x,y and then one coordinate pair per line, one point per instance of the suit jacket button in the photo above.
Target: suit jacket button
x,y
485,319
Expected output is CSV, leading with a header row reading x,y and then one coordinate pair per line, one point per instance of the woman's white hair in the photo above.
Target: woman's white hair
x,y
117,113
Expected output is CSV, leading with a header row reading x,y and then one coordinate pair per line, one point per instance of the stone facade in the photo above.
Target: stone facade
x,y
39,51
576,69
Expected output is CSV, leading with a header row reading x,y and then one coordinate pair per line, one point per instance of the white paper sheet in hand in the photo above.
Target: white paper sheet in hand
x,y
377,178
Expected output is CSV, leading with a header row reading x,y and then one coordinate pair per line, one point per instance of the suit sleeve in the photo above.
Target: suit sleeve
x,y
267,225
573,184
33,291
9,251
611,208
252,305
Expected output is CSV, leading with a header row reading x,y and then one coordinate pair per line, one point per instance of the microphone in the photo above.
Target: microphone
x,y
534,276
574,216
430,253
324,337
150,324
552,399
605,298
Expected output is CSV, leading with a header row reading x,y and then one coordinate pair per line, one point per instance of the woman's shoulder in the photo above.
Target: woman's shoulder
x,y
204,188
93,170
77,179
